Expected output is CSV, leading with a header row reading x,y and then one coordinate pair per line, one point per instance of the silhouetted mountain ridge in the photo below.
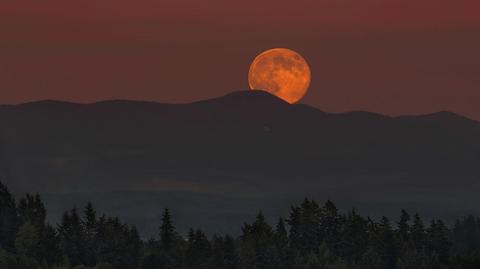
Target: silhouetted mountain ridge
x,y
247,145
244,101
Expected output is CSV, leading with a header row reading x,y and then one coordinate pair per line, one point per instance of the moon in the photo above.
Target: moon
x,y
281,72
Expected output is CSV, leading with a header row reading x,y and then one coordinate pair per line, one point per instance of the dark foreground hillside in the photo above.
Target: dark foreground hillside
x,y
311,236
218,161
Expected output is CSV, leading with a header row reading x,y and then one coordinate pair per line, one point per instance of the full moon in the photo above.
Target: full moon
x,y
281,72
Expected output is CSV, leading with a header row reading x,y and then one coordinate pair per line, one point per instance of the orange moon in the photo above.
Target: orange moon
x,y
281,72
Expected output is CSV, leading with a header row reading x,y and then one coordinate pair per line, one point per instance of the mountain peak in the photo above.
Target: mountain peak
x,y
251,94
250,97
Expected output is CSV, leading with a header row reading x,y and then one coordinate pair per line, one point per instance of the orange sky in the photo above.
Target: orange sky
x,y
387,56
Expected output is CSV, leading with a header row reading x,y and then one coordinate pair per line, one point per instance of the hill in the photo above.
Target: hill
x,y
246,149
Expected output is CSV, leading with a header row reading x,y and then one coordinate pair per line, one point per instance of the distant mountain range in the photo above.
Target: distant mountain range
x,y
221,158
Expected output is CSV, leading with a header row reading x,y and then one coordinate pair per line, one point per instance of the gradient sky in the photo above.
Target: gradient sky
x,y
387,56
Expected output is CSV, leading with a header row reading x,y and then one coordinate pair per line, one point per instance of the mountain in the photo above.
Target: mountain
x,y
221,159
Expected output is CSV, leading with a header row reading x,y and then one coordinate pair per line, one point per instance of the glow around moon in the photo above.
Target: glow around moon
x,y
281,72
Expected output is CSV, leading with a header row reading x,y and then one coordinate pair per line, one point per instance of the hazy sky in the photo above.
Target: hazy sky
x,y
387,56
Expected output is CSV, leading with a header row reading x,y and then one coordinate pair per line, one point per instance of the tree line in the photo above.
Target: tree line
x,y
313,236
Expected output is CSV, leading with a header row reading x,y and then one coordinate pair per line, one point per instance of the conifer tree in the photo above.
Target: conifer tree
x,y
224,253
90,218
354,236
404,226
281,234
50,251
199,250
418,233
27,241
257,244
305,230
72,237
31,209
437,241
89,223
9,222
134,247
167,231
388,246
330,226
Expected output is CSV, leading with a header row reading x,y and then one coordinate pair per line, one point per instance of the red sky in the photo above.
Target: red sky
x,y
387,56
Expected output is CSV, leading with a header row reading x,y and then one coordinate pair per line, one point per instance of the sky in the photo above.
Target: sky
x,y
388,56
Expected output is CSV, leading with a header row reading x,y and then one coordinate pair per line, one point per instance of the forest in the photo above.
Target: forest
x,y
312,236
